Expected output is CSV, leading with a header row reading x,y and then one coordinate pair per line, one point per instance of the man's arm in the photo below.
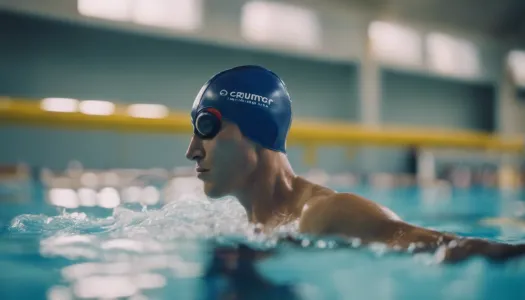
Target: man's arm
x,y
353,216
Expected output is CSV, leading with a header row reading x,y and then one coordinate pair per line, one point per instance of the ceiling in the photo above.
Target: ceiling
x,y
500,18
503,19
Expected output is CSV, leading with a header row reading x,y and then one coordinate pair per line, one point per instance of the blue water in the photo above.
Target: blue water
x,y
162,252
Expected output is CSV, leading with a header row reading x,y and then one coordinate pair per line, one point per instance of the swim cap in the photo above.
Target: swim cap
x,y
252,97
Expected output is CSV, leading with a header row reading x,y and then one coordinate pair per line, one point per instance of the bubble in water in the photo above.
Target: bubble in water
x,y
453,244
356,242
321,244
378,248
440,254
397,248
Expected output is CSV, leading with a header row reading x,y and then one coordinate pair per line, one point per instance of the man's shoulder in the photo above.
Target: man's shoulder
x,y
326,213
330,199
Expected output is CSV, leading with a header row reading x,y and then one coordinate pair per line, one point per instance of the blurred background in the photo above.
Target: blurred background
x,y
418,105
96,93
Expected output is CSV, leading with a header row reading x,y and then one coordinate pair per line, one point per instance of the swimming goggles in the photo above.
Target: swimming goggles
x,y
207,123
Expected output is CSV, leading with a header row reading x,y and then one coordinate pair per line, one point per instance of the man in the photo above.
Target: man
x,y
241,119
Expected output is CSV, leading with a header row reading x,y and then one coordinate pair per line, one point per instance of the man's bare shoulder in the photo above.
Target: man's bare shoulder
x,y
343,213
347,203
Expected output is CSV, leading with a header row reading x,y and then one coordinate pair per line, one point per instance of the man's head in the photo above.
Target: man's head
x,y
236,114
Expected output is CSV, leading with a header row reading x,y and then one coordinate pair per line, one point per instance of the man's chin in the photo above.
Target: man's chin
x,y
213,192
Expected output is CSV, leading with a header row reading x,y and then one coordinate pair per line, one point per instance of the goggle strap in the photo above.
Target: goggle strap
x,y
215,112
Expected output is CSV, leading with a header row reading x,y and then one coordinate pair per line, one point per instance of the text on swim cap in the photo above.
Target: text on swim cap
x,y
247,98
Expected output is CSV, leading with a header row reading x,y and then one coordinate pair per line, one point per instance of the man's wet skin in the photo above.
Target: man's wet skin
x,y
239,148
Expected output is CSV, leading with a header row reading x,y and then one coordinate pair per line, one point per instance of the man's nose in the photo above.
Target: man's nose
x,y
195,150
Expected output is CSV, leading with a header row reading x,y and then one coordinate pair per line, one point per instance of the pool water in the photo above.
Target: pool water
x,y
163,252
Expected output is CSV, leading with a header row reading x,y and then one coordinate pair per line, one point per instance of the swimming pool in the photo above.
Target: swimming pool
x,y
162,253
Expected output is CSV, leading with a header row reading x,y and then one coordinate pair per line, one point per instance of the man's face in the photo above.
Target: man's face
x,y
224,162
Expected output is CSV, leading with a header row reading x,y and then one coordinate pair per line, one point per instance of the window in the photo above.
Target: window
x,y
452,56
395,43
175,14
117,10
178,14
280,23
516,61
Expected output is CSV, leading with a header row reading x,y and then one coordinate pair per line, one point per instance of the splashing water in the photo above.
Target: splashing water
x,y
188,218
135,251
154,254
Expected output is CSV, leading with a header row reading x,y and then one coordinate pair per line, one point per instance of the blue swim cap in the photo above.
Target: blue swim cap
x,y
252,97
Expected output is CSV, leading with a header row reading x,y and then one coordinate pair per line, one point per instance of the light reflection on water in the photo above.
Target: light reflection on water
x,y
163,253
132,253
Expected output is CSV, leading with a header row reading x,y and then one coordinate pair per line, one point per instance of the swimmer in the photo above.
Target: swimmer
x,y
241,118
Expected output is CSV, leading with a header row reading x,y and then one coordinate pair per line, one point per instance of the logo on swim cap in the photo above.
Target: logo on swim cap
x,y
247,98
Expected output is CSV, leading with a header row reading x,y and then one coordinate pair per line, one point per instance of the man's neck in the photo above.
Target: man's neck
x,y
271,194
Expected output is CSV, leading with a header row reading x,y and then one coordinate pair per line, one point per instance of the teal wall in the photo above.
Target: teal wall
x,y
42,58
416,100
410,99
45,59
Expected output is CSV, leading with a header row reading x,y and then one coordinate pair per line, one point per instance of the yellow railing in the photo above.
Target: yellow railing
x,y
309,133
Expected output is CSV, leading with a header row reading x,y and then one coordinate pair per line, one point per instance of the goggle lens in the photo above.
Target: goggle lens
x,y
207,123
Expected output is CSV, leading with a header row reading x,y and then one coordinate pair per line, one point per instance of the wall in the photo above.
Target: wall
x,y
511,106
410,99
115,63
341,25
415,100
45,58
519,112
